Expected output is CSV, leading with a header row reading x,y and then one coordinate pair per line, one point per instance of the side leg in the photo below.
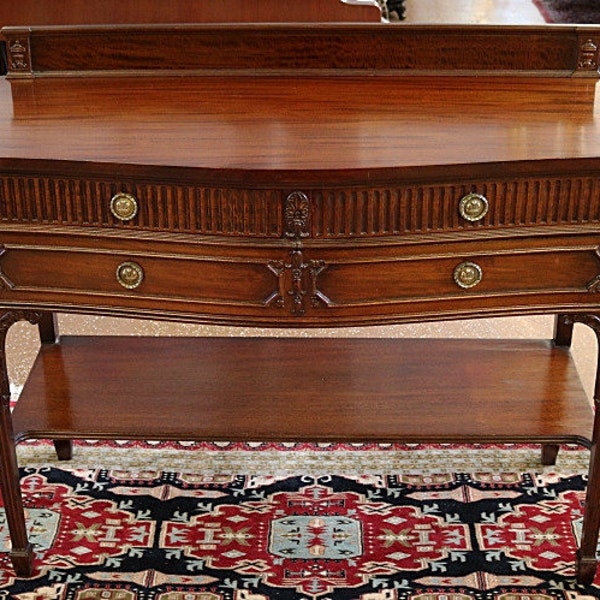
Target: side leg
x,y
48,328
63,449
587,560
563,336
563,330
21,552
549,454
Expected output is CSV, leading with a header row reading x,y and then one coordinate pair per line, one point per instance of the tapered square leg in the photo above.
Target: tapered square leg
x,y
585,569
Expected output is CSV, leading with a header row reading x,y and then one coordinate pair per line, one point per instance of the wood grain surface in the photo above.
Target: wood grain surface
x,y
304,389
307,124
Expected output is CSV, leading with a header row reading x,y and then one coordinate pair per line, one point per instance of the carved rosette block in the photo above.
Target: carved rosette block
x,y
588,58
19,56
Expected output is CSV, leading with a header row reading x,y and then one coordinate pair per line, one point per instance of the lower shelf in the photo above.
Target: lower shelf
x,y
315,389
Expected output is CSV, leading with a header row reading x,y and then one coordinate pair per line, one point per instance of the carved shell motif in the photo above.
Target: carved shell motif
x,y
297,215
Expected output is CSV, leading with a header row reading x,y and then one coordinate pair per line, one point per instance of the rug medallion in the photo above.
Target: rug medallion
x,y
427,533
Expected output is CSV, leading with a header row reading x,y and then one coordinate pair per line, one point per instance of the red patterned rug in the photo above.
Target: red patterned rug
x,y
569,11
492,528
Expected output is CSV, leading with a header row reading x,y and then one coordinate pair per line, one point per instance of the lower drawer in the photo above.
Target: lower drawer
x,y
126,279
469,275
318,285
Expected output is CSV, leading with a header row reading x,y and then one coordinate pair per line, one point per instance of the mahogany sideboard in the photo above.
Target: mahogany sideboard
x,y
300,176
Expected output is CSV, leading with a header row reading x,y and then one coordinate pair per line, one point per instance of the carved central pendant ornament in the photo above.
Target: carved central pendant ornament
x,y
297,278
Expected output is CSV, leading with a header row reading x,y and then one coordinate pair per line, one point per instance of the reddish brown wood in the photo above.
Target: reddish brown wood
x,y
550,454
587,557
349,283
64,449
563,330
48,328
78,12
303,131
304,389
299,200
180,201
302,48
21,549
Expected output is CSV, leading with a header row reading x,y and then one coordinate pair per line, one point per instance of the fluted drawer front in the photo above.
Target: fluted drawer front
x,y
332,212
364,212
168,207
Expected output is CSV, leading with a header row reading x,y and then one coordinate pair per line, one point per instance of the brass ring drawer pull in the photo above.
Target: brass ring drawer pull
x,y
130,275
473,207
467,275
124,206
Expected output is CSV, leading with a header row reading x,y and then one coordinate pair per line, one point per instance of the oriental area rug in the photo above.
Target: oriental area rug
x,y
569,11
158,521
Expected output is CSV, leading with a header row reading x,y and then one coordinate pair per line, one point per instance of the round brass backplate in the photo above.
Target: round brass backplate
x,y
473,207
467,275
124,206
130,275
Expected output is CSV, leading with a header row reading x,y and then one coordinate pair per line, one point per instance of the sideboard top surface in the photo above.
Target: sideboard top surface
x,y
298,124
306,99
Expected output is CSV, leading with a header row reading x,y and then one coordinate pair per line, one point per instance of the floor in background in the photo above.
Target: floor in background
x,y
473,12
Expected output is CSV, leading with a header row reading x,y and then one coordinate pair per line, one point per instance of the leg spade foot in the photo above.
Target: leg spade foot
x,y
22,560
586,567
549,454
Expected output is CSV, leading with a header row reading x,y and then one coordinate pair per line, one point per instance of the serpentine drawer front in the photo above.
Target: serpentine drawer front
x,y
327,255
328,281
357,211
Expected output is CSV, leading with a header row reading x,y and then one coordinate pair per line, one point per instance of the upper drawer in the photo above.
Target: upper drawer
x,y
319,213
